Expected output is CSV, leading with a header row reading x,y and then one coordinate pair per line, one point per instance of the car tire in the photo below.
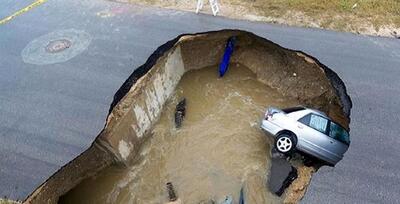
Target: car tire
x,y
285,143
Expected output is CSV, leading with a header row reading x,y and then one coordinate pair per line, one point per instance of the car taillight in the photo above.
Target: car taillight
x,y
268,115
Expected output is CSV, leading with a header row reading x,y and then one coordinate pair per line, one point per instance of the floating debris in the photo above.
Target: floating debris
x,y
173,199
180,112
171,192
228,200
241,196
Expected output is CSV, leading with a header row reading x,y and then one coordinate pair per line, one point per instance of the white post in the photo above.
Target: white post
x,y
213,4
214,7
199,5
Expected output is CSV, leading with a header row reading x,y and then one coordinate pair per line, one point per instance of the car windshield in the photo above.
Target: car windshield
x,y
339,133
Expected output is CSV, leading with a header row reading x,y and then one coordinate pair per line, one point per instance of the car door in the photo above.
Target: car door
x,y
341,138
314,133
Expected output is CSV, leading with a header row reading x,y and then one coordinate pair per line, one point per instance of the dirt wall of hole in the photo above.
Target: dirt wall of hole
x,y
293,73
139,102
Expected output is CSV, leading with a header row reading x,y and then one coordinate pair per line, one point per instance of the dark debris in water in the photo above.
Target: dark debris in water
x,y
171,192
180,112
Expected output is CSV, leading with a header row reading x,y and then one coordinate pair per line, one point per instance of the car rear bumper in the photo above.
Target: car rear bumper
x,y
270,127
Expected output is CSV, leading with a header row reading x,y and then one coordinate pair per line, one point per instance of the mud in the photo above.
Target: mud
x,y
149,96
209,156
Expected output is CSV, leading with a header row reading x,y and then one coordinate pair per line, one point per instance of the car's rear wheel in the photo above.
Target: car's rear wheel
x,y
285,143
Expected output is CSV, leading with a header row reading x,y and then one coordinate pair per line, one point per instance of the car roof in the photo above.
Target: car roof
x,y
300,111
318,112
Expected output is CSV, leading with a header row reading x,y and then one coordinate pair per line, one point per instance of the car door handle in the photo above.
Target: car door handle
x,y
331,141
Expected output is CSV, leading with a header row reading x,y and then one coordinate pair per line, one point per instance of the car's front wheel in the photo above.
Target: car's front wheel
x,y
285,143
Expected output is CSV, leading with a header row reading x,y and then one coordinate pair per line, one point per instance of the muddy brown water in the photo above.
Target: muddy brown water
x,y
209,157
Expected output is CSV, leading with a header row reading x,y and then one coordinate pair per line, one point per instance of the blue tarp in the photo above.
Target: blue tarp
x,y
223,67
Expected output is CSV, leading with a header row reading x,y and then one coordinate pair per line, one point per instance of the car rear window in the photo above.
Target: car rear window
x,y
292,109
339,133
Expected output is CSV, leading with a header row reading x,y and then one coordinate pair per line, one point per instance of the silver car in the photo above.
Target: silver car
x,y
307,130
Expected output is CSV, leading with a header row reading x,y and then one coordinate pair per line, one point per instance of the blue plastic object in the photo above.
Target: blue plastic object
x,y
241,197
223,67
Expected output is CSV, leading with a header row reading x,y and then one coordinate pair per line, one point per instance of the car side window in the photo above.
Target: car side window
x,y
314,121
305,120
339,133
319,123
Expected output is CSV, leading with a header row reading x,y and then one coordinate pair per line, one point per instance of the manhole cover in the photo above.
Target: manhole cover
x,y
58,45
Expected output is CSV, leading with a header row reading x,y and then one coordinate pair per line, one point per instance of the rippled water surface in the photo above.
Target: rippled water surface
x,y
209,157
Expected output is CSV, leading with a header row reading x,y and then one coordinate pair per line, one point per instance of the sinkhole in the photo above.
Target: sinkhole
x,y
218,152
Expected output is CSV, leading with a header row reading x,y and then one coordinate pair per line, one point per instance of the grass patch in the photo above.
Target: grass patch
x,y
378,12
343,15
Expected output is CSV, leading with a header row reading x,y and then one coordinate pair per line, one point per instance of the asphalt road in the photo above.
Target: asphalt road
x,y
8,7
51,113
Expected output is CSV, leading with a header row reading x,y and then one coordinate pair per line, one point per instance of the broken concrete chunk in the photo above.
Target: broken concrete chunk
x,y
288,180
280,169
180,112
